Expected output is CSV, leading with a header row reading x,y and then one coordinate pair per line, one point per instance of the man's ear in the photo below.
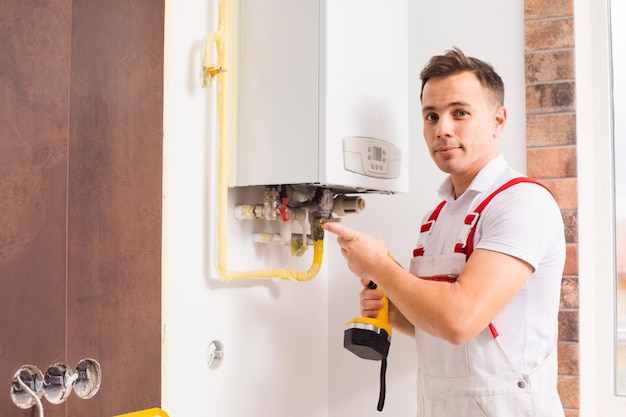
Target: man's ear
x,y
499,119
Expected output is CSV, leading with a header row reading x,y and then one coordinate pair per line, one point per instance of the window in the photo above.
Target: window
x,y
601,147
618,62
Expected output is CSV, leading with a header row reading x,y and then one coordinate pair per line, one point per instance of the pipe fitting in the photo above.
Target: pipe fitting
x,y
344,204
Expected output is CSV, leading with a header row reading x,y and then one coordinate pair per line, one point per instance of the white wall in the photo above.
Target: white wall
x,y
283,340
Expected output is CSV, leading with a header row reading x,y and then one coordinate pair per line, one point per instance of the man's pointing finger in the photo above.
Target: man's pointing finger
x,y
342,232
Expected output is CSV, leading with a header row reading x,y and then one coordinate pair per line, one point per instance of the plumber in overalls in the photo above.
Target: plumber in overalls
x,y
482,294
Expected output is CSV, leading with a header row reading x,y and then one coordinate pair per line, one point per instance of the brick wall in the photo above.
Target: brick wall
x,y
551,156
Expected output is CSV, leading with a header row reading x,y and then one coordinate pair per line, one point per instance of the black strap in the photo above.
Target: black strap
x,y
381,395
383,368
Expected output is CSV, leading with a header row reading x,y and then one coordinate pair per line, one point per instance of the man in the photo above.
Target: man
x,y
482,294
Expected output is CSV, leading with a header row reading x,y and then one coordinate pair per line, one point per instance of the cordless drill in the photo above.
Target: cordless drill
x,y
370,338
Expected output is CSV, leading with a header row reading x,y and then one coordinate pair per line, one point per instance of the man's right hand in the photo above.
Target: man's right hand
x,y
371,300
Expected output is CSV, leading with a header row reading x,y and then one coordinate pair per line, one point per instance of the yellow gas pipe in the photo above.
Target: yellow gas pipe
x,y
153,412
225,41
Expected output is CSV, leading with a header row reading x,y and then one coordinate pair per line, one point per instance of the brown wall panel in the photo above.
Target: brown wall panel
x,y
34,98
114,215
81,101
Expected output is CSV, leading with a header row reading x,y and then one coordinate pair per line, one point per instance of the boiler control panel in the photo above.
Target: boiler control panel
x,y
371,156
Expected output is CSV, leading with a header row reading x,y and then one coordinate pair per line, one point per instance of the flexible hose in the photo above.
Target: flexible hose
x,y
32,393
300,276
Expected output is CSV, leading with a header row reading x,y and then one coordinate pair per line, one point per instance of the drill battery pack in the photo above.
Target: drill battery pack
x,y
366,341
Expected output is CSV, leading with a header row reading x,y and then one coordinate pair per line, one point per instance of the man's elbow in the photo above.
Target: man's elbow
x,y
458,333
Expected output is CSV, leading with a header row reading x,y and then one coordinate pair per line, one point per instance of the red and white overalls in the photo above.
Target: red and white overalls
x,y
476,378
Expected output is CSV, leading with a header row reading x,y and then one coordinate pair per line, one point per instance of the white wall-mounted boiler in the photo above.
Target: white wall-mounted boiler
x,y
312,105
321,94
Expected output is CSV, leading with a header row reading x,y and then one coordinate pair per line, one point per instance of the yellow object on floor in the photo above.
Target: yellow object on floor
x,y
153,412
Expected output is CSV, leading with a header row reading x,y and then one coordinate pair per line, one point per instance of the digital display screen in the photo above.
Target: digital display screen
x,y
377,153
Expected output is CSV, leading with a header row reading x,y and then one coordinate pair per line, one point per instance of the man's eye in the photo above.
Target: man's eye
x,y
431,117
461,113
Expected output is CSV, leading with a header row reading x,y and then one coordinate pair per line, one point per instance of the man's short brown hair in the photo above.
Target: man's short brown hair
x,y
454,62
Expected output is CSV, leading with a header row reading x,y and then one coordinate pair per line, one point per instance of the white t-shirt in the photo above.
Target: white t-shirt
x,y
523,221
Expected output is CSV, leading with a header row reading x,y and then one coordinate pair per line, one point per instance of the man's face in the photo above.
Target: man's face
x,y
462,125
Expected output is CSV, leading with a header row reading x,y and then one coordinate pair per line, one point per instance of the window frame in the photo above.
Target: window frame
x,y
596,226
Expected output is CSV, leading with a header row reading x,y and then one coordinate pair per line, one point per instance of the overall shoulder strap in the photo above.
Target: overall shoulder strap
x,y
465,244
426,229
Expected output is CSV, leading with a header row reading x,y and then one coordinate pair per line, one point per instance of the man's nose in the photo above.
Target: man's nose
x,y
444,127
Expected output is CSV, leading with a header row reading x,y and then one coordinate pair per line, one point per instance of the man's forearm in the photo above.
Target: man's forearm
x,y
399,322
